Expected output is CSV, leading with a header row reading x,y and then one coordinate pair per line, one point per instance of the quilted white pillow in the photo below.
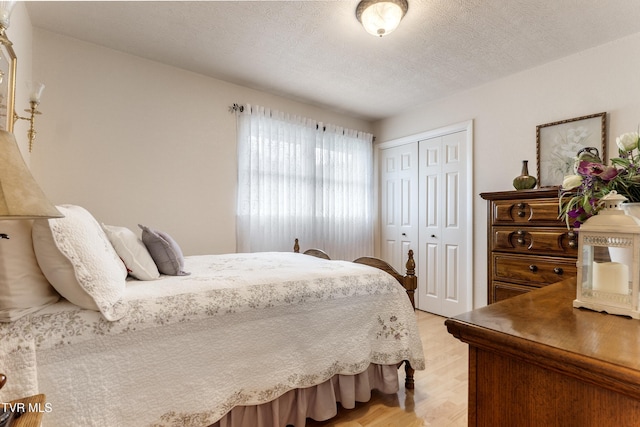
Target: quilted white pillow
x,y
77,258
23,287
133,252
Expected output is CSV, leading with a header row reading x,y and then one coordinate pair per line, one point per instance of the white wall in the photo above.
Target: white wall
x,y
135,141
506,112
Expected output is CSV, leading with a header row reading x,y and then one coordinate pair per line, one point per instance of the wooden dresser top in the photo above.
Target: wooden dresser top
x,y
542,327
519,194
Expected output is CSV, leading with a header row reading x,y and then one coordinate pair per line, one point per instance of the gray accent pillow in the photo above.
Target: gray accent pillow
x,y
164,250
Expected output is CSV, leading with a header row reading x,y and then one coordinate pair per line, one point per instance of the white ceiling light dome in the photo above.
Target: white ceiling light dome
x,y
381,17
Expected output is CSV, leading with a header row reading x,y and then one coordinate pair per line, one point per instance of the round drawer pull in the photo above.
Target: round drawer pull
x,y
533,268
573,244
558,270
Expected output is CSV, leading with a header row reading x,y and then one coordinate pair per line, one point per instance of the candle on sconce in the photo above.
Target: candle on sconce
x,y
5,13
35,91
611,277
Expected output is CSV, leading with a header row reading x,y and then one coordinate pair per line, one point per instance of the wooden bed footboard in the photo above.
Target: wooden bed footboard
x,y
409,282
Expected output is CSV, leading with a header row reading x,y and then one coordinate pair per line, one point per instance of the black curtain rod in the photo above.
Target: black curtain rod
x,y
240,108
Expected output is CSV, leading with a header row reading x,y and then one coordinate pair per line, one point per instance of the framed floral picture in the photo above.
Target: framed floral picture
x,y
558,143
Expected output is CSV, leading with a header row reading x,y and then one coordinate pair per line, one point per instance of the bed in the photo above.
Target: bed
x,y
262,339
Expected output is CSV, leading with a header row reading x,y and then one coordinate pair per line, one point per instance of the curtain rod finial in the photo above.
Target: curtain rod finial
x,y
236,107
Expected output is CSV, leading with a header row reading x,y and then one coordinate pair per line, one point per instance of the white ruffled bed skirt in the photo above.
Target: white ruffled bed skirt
x,y
317,402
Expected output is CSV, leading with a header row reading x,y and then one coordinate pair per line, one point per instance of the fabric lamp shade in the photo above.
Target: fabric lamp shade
x,y
20,196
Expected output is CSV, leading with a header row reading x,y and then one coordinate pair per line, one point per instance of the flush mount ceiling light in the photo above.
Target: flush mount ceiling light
x,y
380,17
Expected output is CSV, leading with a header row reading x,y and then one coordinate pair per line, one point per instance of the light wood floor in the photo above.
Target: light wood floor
x,y
440,395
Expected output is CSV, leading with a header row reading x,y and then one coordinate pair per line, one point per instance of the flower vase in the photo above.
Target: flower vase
x,y
524,181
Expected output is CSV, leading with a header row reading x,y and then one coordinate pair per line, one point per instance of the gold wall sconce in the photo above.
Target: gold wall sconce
x,y
35,93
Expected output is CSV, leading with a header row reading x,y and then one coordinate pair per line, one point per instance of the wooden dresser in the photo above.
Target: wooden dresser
x,y
35,407
534,360
528,246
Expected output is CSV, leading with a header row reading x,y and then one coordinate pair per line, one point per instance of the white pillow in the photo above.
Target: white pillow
x,y
77,258
133,252
23,287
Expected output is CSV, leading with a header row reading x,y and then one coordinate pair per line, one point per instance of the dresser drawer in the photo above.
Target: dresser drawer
x,y
534,212
500,291
530,270
530,240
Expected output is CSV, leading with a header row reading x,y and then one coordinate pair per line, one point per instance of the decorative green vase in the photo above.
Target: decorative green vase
x,y
524,181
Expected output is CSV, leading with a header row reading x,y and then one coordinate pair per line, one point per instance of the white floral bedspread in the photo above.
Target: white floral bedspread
x,y
242,329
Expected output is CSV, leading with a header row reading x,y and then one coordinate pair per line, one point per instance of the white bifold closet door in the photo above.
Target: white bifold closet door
x,y
399,203
424,206
442,261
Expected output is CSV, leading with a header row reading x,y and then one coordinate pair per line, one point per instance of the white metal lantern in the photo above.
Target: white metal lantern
x,y
608,264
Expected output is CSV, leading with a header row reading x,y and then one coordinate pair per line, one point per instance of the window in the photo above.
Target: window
x,y
299,178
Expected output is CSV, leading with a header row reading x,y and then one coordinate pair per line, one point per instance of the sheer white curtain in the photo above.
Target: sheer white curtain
x,y
299,178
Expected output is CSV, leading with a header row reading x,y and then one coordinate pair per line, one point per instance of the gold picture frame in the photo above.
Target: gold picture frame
x,y
558,143
8,65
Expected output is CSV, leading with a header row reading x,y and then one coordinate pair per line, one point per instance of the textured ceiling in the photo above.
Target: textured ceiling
x,y
318,53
